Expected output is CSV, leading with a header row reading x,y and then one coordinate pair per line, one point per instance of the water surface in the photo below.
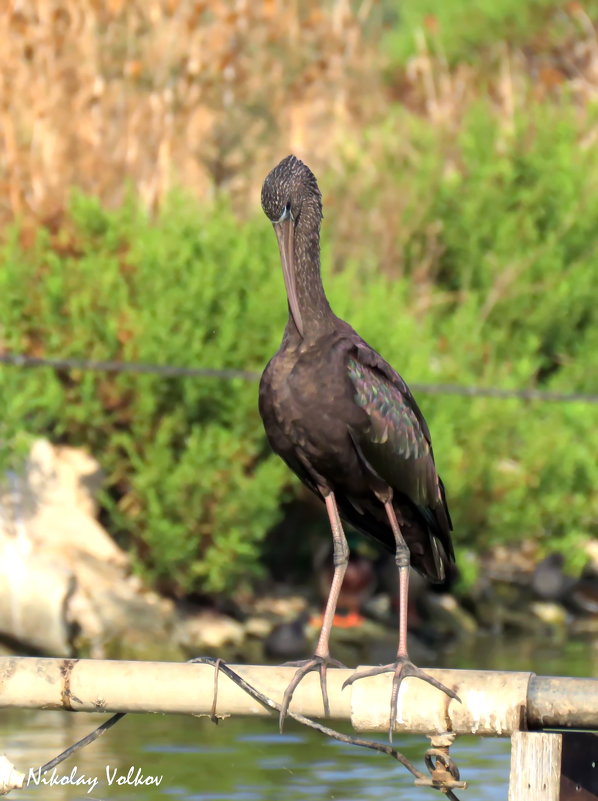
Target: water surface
x,y
247,760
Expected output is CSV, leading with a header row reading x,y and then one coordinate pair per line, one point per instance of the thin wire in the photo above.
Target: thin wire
x,y
221,667
81,743
172,371
497,392
20,360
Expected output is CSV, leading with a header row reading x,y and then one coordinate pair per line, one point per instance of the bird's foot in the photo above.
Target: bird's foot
x,y
305,666
402,668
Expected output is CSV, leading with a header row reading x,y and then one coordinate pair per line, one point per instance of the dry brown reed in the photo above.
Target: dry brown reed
x,y
160,92
100,94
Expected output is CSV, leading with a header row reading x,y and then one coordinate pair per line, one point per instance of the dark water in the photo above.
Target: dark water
x,y
247,760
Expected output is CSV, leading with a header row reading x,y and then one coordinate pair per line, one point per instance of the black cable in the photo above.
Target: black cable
x,y
84,741
171,371
20,360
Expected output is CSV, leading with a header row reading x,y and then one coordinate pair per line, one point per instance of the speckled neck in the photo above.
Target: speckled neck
x,y
316,314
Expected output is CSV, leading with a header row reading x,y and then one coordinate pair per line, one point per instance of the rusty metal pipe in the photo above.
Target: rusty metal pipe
x,y
556,702
495,703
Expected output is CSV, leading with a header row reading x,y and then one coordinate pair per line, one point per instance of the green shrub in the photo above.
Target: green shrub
x,y
189,479
507,299
460,30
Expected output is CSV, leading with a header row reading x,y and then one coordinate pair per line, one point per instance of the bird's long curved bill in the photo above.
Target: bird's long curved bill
x,y
285,233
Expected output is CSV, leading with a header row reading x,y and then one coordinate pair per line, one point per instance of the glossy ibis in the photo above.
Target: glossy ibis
x,y
346,423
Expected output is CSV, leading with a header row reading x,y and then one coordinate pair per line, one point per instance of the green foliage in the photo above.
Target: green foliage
x,y
460,29
190,482
508,299
513,304
514,469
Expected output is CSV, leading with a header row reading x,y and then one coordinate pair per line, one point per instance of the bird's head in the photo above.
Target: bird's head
x,y
291,198
289,189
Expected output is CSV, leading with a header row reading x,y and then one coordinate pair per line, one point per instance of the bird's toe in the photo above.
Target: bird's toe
x,y
305,666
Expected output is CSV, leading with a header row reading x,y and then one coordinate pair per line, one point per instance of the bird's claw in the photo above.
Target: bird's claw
x,y
305,666
402,668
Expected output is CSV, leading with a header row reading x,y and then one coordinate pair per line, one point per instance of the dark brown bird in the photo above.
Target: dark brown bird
x,y
346,423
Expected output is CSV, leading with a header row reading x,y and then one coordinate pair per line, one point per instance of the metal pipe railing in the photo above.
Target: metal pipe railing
x,y
493,703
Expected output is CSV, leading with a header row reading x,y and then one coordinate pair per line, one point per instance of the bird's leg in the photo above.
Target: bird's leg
x,y
321,658
403,666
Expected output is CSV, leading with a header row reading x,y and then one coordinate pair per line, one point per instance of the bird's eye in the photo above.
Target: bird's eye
x,y
286,212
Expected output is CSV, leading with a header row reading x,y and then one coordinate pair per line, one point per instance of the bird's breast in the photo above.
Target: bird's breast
x,y
308,400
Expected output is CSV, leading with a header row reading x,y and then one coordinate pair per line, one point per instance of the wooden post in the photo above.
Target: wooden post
x,y
535,766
